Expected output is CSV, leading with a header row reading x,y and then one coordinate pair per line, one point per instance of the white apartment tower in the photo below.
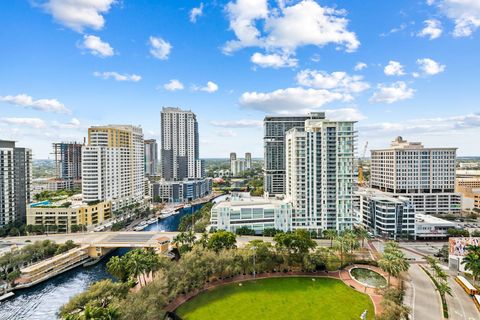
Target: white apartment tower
x,y
425,175
15,182
180,145
113,165
319,174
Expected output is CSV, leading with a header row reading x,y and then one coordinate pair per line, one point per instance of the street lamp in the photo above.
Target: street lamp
x,y
254,248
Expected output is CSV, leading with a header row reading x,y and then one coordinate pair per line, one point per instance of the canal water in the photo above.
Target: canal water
x,y
43,301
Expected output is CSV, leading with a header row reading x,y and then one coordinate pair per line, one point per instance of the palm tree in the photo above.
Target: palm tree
x,y
443,288
393,262
342,245
116,267
362,234
472,263
330,234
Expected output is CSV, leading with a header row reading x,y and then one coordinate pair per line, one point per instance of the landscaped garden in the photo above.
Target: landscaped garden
x,y
279,298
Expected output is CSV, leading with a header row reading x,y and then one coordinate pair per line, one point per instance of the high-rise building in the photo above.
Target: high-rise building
x,y
179,145
237,167
15,182
151,157
233,156
319,174
424,175
112,165
68,160
274,149
248,161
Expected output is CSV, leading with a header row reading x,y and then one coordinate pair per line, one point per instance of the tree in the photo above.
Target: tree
x,y
330,234
245,231
222,240
361,234
298,242
393,262
184,241
116,267
472,261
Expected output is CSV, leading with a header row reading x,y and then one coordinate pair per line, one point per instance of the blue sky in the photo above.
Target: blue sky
x,y
405,68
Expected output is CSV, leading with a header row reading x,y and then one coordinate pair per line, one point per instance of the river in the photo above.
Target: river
x,y
43,301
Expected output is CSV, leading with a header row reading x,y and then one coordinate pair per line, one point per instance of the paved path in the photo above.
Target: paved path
x,y
460,304
421,296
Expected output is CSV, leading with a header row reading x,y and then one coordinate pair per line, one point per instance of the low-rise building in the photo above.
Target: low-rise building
x,y
257,213
65,213
181,191
458,250
384,215
430,227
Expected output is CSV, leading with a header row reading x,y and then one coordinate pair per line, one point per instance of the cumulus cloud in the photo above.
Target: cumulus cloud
x,y
286,27
389,94
96,46
117,76
210,87
241,123
430,67
464,13
196,12
337,81
173,85
27,122
432,29
394,68
159,48
79,14
289,100
47,105
360,66
273,60
74,123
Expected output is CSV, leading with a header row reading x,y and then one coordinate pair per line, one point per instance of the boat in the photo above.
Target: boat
x,y
152,220
187,206
140,227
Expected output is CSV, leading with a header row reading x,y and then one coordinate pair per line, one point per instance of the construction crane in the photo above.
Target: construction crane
x,y
361,178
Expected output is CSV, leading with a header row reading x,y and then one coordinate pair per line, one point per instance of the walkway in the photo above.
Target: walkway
x,y
342,275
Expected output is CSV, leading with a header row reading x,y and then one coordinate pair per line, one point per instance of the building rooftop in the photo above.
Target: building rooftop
x,y
244,199
428,219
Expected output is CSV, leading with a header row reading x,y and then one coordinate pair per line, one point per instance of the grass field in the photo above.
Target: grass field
x,y
279,298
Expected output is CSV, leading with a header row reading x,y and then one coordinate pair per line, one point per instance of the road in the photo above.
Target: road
x,y
460,304
421,296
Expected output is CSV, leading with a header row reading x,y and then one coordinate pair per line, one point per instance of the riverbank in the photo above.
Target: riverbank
x,y
43,300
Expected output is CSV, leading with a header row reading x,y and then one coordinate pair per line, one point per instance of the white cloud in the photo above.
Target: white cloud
x,y
464,13
433,29
47,105
338,81
210,87
287,27
79,14
429,125
273,60
394,68
28,122
96,46
241,123
74,123
289,100
196,12
345,114
227,133
117,76
389,94
360,66
430,67
160,48
173,85
430,2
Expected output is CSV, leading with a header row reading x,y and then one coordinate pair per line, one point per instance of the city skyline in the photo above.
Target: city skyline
x,y
411,74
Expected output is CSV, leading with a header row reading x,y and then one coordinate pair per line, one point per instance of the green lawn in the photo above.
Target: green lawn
x,y
279,298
